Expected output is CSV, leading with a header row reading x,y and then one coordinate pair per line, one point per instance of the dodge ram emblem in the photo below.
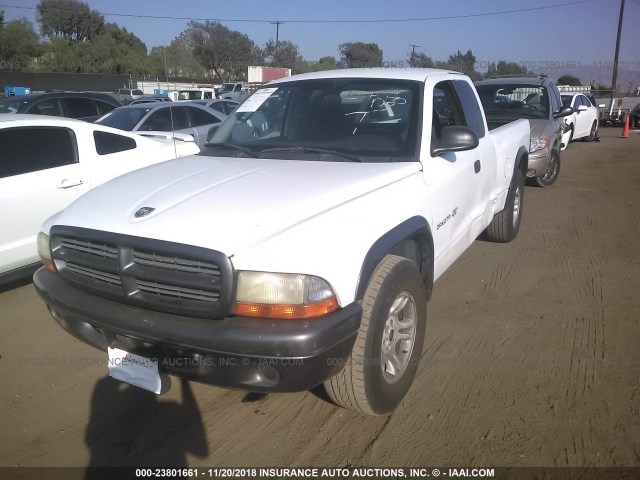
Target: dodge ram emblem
x,y
144,211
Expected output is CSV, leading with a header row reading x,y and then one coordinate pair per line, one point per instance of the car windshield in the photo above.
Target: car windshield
x,y
124,118
566,100
519,101
326,119
12,104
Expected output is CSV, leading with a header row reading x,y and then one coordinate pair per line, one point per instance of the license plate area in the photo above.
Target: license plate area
x,y
135,369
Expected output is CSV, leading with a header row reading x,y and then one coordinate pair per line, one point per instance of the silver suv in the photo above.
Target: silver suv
x,y
537,99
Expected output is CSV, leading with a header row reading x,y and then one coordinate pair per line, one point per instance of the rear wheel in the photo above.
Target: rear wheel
x,y
506,224
553,170
385,356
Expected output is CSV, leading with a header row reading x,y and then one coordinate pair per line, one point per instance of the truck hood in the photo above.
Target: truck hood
x,y
226,204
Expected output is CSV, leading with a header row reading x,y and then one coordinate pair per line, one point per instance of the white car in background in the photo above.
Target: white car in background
x,y
583,122
48,162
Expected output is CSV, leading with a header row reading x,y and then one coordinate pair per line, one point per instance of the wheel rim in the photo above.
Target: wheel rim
x,y
516,206
552,168
398,337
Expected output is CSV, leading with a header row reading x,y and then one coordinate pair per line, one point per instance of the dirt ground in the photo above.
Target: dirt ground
x,y
531,359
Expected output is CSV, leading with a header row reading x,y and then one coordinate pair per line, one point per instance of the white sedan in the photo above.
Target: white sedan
x,y
48,162
583,122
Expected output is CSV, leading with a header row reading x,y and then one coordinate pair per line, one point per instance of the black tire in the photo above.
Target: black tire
x,y
593,133
552,173
506,224
367,383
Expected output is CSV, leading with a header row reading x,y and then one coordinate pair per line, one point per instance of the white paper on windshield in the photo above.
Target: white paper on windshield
x,y
252,103
134,369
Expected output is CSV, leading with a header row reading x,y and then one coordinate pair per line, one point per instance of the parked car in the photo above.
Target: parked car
x,y
297,254
537,99
233,91
149,99
128,93
194,120
49,162
583,122
223,106
85,106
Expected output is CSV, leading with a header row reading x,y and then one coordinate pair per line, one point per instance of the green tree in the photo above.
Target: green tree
x,y
70,19
288,54
505,68
226,52
421,60
460,62
325,63
1,19
114,51
569,80
19,44
360,54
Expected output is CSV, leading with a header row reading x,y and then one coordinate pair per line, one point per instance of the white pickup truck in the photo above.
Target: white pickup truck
x,y
300,246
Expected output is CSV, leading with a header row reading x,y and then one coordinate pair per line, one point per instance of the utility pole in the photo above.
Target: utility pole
x,y
614,81
413,52
277,24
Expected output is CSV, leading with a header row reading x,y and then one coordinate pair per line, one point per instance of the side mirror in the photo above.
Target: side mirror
x,y
455,139
602,105
582,108
563,112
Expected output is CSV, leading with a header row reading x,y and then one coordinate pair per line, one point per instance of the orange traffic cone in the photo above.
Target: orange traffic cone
x,y
625,129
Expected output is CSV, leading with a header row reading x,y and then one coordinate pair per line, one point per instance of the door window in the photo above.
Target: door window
x,y
50,106
200,117
80,107
112,143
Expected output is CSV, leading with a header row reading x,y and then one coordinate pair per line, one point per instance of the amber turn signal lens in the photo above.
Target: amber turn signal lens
x,y
287,312
49,264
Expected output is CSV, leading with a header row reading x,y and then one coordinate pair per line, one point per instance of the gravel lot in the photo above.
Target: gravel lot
x,y
531,359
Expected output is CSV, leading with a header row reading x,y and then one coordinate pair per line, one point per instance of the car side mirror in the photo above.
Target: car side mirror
x,y
582,108
563,112
455,139
602,105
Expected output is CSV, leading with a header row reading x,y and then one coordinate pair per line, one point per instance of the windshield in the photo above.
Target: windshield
x,y
12,104
326,119
520,101
124,118
226,87
566,100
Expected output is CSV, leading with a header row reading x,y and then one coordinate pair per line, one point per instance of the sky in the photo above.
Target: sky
x,y
581,34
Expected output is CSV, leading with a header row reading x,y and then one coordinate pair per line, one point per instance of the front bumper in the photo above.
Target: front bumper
x,y
538,163
261,355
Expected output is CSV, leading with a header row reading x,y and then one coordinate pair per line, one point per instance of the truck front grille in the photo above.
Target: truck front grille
x,y
161,276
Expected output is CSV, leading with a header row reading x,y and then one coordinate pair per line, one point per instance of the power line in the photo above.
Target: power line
x,y
379,20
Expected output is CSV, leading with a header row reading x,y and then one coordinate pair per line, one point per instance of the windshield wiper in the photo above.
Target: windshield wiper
x,y
327,151
230,146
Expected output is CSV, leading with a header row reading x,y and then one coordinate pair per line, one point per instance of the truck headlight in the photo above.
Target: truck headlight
x,y
283,295
44,250
538,144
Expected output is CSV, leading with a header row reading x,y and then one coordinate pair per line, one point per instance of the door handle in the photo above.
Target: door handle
x,y
69,182
476,166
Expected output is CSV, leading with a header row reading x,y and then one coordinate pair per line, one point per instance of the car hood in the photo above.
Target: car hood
x,y
226,204
541,128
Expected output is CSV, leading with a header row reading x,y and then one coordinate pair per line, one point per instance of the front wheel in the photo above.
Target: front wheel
x,y
384,359
505,225
553,170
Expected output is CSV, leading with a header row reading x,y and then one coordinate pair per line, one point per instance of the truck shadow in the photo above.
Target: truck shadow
x,y
130,427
